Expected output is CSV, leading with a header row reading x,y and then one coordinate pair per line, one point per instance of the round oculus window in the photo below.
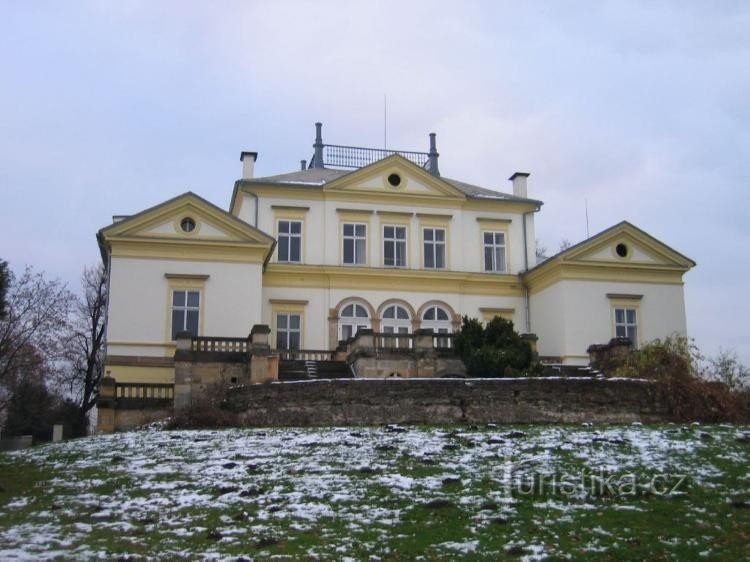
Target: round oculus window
x,y
394,180
187,224
621,250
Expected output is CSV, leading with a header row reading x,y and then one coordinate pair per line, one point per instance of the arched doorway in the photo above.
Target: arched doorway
x,y
396,320
439,319
353,317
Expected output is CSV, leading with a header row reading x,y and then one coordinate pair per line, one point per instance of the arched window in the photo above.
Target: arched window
x,y
353,317
396,320
437,318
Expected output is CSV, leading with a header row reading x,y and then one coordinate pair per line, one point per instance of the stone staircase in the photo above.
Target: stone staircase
x,y
302,370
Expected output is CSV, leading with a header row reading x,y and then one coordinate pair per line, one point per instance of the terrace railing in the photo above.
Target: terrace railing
x,y
220,345
144,395
306,354
390,341
443,341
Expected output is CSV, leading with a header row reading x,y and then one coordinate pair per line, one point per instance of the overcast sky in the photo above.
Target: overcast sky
x,y
640,109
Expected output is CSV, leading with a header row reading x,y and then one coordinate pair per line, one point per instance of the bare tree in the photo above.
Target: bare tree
x,y
83,376
36,318
564,245
4,280
727,368
541,251
34,330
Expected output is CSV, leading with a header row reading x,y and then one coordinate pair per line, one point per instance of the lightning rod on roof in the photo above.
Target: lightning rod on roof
x,y
586,205
385,122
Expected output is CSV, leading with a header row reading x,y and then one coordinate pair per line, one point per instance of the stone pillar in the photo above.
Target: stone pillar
x,y
365,339
333,329
57,432
263,365
423,339
611,356
183,371
105,422
619,350
342,352
184,341
532,339
596,353
259,338
426,356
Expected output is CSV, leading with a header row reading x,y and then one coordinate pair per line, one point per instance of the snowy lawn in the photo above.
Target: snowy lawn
x,y
391,493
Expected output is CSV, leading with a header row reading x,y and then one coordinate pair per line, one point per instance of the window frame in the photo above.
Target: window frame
x,y
288,307
354,238
395,242
290,237
434,243
353,322
437,326
184,282
288,330
185,309
494,246
292,214
626,325
395,326
618,301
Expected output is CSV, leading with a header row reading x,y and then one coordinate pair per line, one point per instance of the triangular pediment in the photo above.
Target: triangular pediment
x,y
208,224
625,245
394,176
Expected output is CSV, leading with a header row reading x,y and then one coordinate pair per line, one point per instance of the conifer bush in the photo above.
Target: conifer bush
x,y
496,350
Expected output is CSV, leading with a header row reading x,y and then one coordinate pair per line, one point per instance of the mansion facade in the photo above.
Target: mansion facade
x,y
367,238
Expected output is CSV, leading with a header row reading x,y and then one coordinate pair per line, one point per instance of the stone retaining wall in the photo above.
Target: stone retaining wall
x,y
125,420
16,443
378,401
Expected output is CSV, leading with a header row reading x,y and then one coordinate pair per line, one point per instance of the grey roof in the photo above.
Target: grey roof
x,y
312,176
317,177
482,192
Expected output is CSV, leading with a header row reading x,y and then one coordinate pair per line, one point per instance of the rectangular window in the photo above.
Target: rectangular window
x,y
355,244
494,251
626,325
394,246
434,248
185,311
288,330
290,241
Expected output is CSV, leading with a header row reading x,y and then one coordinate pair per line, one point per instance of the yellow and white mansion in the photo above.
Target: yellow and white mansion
x,y
375,239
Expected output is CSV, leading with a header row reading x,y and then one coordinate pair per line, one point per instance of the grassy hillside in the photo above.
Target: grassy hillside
x,y
527,492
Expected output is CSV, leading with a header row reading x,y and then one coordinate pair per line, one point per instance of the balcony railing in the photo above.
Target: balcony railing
x,y
306,354
144,395
220,345
391,341
443,341
337,156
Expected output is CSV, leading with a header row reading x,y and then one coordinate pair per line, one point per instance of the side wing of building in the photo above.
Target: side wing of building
x,y
619,283
181,265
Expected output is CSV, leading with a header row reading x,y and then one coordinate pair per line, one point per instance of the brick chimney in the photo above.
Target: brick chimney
x,y
519,184
248,164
